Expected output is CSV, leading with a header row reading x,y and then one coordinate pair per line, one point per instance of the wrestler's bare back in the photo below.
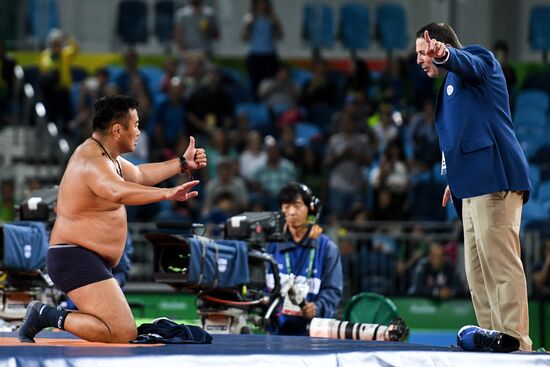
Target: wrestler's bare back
x,y
83,217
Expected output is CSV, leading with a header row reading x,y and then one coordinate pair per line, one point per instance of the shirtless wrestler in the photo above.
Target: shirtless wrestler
x,y
88,237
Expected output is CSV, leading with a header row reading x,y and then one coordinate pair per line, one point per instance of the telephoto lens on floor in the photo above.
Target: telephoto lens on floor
x,y
337,329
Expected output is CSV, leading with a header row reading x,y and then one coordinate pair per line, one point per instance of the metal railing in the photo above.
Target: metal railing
x,y
376,256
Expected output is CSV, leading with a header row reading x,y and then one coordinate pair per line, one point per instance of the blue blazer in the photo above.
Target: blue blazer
x,y
475,127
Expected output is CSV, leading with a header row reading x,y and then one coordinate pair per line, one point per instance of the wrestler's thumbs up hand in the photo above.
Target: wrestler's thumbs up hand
x,y
195,157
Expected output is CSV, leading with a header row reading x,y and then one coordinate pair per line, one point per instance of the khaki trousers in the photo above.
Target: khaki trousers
x,y
493,263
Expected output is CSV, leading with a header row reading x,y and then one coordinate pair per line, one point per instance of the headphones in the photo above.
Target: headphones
x,y
312,202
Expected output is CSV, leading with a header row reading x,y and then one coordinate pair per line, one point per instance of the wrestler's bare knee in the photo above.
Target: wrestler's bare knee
x,y
124,334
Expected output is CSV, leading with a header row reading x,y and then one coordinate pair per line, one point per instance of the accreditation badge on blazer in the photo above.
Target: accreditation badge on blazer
x,y
443,165
450,89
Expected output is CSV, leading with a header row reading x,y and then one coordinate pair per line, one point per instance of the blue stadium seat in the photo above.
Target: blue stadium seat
x,y
164,20
318,24
41,17
235,85
533,98
544,192
530,117
132,21
355,26
78,74
539,28
533,211
258,115
450,210
154,76
306,132
232,75
75,94
301,76
391,26
534,177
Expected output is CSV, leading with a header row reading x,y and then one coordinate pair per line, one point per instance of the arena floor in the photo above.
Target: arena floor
x,y
62,349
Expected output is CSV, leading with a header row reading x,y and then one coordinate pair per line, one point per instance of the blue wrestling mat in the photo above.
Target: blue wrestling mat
x,y
61,349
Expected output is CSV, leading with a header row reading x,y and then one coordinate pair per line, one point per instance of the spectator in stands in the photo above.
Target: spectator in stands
x,y
7,200
309,259
409,253
541,273
392,176
169,126
91,89
261,29
359,78
486,171
225,181
384,129
279,93
196,27
253,157
170,68
392,83
219,146
435,276
224,206
422,86
347,152
239,135
210,107
321,89
383,206
287,144
140,91
311,172
359,110
423,139
124,80
55,77
269,179
7,65
178,211
193,71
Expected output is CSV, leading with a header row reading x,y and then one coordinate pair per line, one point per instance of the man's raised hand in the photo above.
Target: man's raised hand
x,y
434,48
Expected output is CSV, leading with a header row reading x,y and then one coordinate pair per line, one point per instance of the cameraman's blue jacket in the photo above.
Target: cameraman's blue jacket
x,y
325,282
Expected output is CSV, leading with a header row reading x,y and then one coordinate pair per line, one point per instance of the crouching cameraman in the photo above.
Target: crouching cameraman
x,y
309,264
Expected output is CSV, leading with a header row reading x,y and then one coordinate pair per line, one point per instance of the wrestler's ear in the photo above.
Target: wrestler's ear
x,y
116,129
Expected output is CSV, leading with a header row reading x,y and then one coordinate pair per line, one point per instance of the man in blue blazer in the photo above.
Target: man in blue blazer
x,y
486,172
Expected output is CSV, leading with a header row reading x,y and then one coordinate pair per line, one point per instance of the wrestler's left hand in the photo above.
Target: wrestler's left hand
x,y
181,192
195,157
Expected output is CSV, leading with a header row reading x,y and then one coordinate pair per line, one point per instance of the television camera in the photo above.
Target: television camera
x,y
228,275
23,248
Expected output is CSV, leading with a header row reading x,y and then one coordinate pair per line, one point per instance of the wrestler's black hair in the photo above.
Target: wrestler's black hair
x,y
441,32
110,109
